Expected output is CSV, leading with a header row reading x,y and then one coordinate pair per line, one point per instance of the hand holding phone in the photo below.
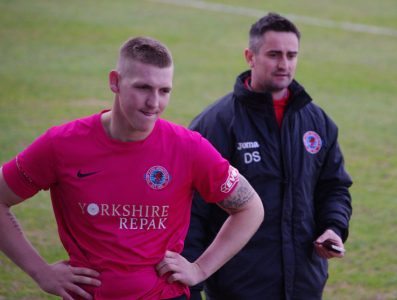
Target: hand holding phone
x,y
331,246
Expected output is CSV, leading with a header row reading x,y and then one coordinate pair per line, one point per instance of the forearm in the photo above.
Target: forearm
x,y
234,234
245,216
14,244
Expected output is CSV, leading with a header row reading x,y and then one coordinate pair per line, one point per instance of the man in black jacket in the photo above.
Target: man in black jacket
x,y
287,147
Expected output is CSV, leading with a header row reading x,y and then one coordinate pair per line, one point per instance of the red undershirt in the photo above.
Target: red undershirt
x,y
278,104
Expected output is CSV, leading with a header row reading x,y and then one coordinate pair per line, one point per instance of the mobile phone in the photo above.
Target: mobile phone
x,y
330,245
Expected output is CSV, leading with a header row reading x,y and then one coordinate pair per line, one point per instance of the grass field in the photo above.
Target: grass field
x,y
54,61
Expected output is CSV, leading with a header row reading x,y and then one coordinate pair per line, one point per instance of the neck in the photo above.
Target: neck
x,y
117,131
254,86
279,95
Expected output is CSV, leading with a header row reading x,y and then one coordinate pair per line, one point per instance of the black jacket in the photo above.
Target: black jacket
x,y
298,172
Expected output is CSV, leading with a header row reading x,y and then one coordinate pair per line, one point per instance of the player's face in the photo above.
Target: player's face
x,y
143,94
273,67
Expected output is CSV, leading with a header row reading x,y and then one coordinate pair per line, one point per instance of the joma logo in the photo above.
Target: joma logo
x,y
247,145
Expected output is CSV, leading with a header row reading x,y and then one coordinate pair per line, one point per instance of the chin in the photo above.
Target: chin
x,y
281,87
277,89
147,127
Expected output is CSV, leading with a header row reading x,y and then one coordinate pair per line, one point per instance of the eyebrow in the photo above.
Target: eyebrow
x,y
280,51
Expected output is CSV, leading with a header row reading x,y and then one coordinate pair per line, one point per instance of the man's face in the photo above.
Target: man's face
x,y
273,67
143,94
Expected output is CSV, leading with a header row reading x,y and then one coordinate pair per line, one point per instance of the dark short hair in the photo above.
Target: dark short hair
x,y
270,22
146,50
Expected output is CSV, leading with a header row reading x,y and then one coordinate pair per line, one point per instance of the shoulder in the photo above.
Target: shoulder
x,y
309,114
305,105
77,127
217,113
173,131
321,115
181,139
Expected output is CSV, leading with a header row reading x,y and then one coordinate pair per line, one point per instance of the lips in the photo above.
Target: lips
x,y
281,75
149,114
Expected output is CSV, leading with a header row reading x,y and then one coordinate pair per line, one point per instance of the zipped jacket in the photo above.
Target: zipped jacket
x,y
298,171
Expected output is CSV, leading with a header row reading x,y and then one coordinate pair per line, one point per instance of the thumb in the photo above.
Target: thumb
x,y
321,239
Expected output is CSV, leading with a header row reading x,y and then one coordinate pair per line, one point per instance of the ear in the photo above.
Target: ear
x,y
114,81
249,57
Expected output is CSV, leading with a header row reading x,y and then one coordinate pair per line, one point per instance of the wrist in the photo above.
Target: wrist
x,y
201,273
39,272
336,230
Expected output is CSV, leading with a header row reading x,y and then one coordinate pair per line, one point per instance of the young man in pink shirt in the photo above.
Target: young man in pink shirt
x,y
121,184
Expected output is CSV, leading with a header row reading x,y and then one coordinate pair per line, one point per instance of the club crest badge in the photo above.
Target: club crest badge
x,y
312,142
157,177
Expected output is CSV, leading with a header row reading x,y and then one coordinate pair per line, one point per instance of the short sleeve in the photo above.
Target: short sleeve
x,y
213,177
31,170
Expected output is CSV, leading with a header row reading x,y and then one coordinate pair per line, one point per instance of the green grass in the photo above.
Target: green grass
x,y
54,61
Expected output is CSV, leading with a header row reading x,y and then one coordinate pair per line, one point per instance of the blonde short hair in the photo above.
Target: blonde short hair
x,y
146,50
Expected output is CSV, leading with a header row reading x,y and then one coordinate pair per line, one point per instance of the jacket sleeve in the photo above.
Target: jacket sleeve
x,y
332,193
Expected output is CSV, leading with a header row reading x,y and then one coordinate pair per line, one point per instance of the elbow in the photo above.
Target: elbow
x,y
257,209
261,209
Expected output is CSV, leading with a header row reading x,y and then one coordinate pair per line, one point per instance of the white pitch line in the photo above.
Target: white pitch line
x,y
244,11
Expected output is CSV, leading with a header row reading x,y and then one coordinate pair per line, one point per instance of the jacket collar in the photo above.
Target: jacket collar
x,y
263,101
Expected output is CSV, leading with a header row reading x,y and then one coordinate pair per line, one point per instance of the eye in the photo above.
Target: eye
x,y
273,54
141,87
166,90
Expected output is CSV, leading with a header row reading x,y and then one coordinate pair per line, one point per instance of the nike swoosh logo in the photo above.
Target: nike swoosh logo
x,y
82,175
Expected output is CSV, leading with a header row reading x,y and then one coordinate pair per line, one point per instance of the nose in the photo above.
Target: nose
x,y
152,100
283,63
